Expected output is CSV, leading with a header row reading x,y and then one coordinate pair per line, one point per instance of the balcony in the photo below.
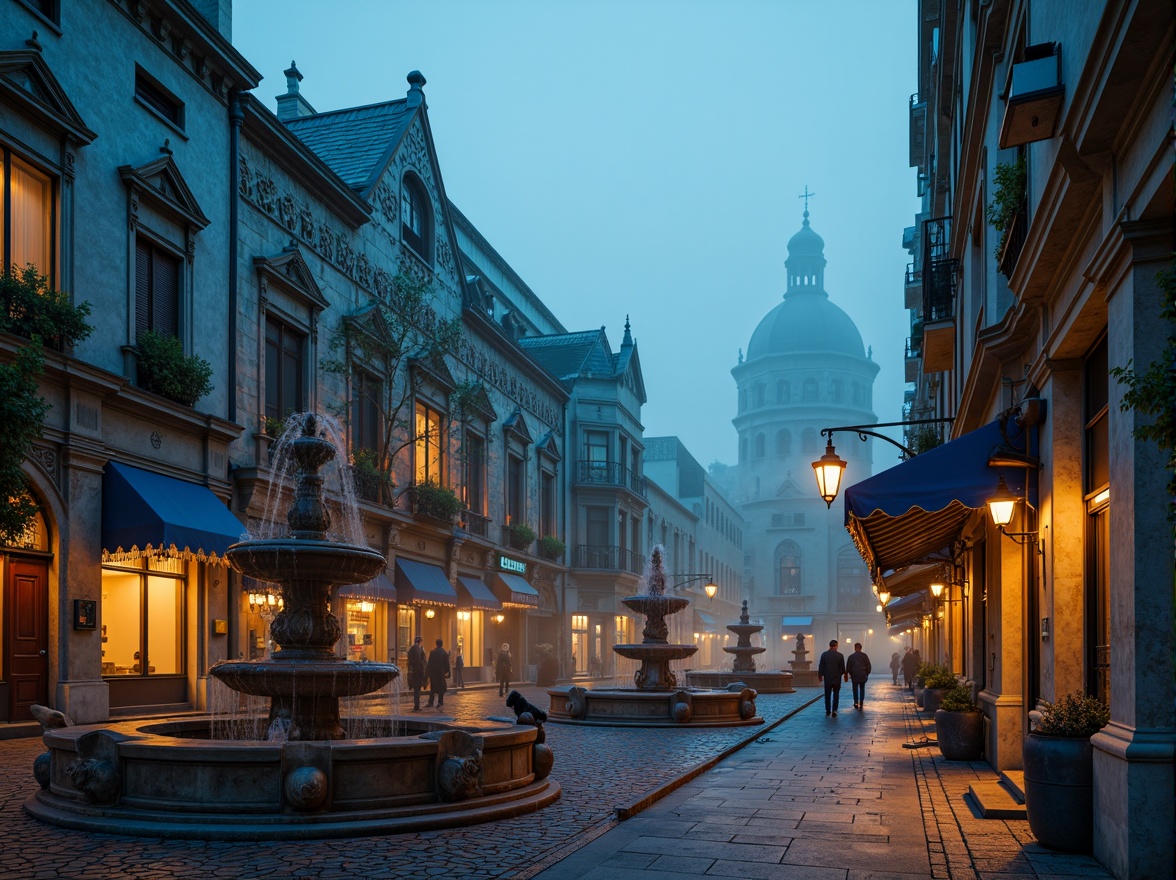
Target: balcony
x,y
610,473
603,557
1035,97
939,296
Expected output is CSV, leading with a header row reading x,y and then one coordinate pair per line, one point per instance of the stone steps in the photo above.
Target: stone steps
x,y
1003,799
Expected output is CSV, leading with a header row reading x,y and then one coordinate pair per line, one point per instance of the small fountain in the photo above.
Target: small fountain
x,y
656,700
743,669
803,675
301,777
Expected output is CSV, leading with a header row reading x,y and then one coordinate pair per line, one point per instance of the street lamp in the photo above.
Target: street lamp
x,y
1001,504
830,467
883,597
711,589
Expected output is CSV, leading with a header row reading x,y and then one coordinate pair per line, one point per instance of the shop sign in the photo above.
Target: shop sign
x,y
508,564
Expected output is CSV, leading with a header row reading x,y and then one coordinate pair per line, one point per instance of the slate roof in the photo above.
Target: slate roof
x,y
569,355
357,142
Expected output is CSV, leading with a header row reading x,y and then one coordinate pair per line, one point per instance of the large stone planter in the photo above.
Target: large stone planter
x,y
960,734
932,697
1059,791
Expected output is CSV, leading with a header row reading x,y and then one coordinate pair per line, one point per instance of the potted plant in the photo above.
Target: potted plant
x,y
372,483
1059,772
521,536
937,680
959,725
436,501
551,547
164,369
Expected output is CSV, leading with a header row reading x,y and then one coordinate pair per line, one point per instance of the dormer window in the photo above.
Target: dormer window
x,y
415,217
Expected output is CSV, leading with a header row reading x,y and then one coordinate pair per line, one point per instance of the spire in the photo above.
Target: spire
x,y
628,340
806,256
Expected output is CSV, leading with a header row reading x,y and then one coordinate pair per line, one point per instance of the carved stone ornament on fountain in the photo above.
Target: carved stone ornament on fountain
x,y
294,775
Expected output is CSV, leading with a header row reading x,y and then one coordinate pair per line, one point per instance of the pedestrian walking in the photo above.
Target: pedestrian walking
x,y
910,663
416,672
857,667
458,670
503,667
437,670
831,670
895,666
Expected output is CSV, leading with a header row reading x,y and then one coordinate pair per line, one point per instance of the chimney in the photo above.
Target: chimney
x,y
219,14
292,105
416,94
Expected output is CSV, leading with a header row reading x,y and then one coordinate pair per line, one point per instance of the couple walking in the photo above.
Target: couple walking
x,y
833,667
433,669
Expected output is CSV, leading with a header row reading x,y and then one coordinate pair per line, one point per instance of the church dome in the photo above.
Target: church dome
x,y
806,321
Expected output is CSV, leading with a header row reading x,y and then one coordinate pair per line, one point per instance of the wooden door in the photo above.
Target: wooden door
x,y
26,636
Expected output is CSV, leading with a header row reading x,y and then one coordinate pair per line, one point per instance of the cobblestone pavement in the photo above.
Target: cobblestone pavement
x,y
827,799
598,768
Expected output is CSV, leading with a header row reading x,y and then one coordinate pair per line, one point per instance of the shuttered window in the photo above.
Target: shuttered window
x,y
284,349
157,290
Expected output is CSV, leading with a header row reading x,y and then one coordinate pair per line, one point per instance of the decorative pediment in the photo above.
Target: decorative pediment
x,y
478,403
789,489
516,427
27,83
161,185
549,447
431,369
289,269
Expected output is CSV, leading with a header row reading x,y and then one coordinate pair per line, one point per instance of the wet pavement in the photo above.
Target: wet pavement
x,y
813,797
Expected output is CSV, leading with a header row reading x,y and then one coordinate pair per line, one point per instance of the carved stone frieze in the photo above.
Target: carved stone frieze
x,y
509,381
49,461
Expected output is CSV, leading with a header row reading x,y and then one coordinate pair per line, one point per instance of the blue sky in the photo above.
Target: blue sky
x,y
646,157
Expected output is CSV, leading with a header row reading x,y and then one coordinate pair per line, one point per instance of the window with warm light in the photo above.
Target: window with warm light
x,y
27,216
143,617
428,445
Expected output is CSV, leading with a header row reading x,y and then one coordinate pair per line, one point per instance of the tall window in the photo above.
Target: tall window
x,y
157,289
783,391
789,580
284,382
475,477
596,455
547,504
366,393
415,217
143,617
758,392
515,490
429,445
759,445
809,390
597,526
27,220
852,581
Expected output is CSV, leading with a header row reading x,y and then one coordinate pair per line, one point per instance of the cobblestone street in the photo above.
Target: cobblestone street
x,y
598,768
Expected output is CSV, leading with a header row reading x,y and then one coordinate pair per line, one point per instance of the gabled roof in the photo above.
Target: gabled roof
x,y
357,142
27,83
570,356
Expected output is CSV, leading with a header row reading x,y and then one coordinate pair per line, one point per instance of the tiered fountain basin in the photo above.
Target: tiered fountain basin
x,y
168,779
633,707
770,681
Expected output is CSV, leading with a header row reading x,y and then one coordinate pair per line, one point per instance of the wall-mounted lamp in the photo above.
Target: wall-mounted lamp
x,y
1001,506
430,613
883,597
463,615
830,467
498,618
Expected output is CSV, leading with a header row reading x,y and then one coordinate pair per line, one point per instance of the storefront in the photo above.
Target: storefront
x,y
368,610
512,588
478,614
427,606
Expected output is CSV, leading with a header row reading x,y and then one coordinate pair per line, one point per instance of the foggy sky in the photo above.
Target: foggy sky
x,y
645,158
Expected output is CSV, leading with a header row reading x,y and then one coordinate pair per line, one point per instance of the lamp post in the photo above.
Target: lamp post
x,y
830,467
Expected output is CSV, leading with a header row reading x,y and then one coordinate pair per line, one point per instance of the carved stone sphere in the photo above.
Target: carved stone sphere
x,y
41,767
746,709
681,712
306,788
542,760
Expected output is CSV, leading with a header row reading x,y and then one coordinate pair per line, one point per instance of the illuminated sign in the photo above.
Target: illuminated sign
x,y
508,564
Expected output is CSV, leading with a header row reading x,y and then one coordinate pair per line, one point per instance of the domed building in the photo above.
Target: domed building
x,y
806,369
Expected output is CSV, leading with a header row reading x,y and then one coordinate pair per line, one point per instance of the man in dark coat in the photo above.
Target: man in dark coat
x,y
437,670
830,670
857,667
910,664
503,668
416,672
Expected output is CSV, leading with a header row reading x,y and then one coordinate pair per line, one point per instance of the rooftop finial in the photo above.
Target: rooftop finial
x,y
628,340
416,94
806,195
293,78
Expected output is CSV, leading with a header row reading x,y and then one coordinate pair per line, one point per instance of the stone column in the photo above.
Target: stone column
x,y
1003,699
1133,757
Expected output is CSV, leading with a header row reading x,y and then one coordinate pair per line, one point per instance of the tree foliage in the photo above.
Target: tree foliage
x,y
29,307
1008,198
1153,391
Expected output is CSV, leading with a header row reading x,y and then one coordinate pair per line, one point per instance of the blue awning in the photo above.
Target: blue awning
x,y
472,593
149,514
418,583
914,512
514,590
797,622
380,589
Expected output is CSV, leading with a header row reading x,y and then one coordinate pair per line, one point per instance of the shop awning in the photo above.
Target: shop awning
x,y
798,622
905,610
514,591
149,514
917,578
380,588
472,593
914,512
418,583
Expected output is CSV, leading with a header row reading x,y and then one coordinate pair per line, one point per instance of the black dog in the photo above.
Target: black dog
x,y
521,707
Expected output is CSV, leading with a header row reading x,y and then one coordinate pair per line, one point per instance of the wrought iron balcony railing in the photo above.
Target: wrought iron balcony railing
x,y
609,558
939,271
611,473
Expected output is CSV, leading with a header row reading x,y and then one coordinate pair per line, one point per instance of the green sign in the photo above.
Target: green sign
x,y
508,564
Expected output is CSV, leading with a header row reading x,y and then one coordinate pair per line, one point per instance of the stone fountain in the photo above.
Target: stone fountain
x,y
803,675
301,777
656,700
743,670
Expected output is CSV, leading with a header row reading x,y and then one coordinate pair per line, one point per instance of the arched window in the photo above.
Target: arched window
x,y
788,554
808,440
783,391
853,582
783,442
416,218
759,445
759,393
810,389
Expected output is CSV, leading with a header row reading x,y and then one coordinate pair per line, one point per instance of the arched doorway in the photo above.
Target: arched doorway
x,y
24,634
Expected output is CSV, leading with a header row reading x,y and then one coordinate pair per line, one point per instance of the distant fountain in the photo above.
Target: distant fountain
x,y
655,700
802,673
297,776
743,670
